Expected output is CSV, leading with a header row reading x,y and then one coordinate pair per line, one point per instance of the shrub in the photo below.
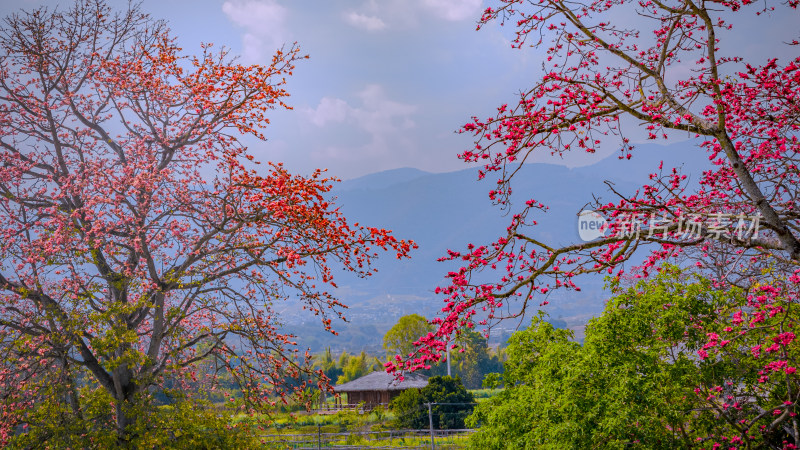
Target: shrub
x,y
451,404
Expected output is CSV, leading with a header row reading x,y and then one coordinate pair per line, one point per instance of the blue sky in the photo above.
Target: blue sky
x,y
387,83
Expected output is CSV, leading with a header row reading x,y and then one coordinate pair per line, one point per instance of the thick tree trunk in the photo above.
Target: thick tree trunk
x,y
124,391
124,420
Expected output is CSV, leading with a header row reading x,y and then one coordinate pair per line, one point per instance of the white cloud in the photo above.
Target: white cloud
x,y
385,121
454,10
333,110
363,21
376,115
376,16
379,115
264,25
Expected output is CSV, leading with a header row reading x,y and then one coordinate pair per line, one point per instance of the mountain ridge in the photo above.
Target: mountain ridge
x,y
449,210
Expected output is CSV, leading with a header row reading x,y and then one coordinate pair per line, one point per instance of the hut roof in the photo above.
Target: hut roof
x,y
382,381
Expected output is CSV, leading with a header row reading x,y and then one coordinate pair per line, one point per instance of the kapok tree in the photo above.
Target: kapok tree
x,y
135,238
668,69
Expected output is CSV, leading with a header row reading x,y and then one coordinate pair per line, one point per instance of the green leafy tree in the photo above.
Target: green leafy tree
x,y
357,366
540,358
474,359
640,380
327,364
452,403
399,340
185,423
410,410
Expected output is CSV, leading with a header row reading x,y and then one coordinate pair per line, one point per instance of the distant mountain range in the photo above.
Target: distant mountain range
x,y
443,211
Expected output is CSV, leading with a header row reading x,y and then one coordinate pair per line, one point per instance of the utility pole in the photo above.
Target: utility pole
x,y
448,357
430,423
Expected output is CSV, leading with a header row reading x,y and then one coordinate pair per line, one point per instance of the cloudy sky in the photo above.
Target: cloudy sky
x,y
387,83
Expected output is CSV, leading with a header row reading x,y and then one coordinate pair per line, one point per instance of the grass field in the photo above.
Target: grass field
x,y
368,429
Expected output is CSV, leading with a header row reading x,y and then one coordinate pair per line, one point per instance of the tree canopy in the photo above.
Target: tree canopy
x,y
451,404
672,69
638,382
138,235
400,339
730,369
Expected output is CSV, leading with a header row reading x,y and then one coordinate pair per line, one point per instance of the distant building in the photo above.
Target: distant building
x,y
377,388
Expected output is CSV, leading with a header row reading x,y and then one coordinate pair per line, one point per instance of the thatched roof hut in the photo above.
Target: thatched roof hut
x,y
379,387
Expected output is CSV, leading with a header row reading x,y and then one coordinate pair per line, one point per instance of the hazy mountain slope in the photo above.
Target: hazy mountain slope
x,y
449,210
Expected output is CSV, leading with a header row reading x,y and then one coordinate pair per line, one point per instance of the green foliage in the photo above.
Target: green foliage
x,y
357,366
327,364
190,424
410,410
472,360
51,420
483,394
186,423
455,403
399,340
475,361
540,358
637,382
